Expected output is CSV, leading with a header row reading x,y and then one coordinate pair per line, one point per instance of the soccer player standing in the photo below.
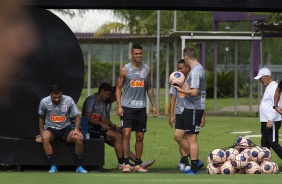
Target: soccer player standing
x,y
194,105
176,109
135,78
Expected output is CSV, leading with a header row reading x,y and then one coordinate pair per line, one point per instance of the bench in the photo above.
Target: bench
x,y
27,152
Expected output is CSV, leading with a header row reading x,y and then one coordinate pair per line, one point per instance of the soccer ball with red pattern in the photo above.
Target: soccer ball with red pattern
x,y
243,143
266,167
275,168
257,153
213,169
247,154
267,154
252,168
227,168
240,161
230,153
217,156
176,79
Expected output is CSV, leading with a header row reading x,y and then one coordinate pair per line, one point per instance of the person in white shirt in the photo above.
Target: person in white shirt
x,y
269,118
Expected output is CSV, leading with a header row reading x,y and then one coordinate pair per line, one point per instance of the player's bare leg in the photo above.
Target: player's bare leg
x,y
126,134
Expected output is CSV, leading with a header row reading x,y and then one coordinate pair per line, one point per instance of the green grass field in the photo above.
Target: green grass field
x,y
160,146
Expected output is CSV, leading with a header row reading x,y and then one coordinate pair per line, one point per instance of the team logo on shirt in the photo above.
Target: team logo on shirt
x,y
182,95
136,103
64,108
136,83
96,116
57,119
143,73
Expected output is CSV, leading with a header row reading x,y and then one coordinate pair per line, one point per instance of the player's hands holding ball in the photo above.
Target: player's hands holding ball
x,y
176,79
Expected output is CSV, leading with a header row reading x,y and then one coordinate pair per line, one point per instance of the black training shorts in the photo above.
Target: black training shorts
x,y
192,120
135,118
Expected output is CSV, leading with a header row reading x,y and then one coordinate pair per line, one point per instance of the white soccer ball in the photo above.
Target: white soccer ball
x,y
217,156
176,78
209,160
252,168
247,154
243,143
227,168
266,167
230,153
257,153
240,161
213,169
275,168
267,154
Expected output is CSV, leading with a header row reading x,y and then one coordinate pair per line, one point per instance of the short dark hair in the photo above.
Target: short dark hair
x,y
190,52
114,89
55,88
182,61
136,46
105,86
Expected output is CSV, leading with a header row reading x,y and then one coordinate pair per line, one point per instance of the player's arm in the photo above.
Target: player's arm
x,y
120,80
41,124
150,93
96,122
276,100
41,120
191,92
172,108
203,120
77,121
76,130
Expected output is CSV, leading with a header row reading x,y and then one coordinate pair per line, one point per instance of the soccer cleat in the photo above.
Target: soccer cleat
x,y
53,169
131,166
187,168
126,168
146,164
200,164
120,166
80,169
190,172
139,168
181,167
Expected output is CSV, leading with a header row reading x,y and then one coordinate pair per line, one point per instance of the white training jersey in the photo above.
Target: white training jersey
x,y
266,111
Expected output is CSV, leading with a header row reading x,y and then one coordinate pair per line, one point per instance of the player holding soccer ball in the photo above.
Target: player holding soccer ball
x,y
176,106
194,105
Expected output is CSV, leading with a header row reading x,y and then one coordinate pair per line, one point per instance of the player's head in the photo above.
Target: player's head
x,y
136,52
189,53
105,90
183,68
112,98
56,93
264,76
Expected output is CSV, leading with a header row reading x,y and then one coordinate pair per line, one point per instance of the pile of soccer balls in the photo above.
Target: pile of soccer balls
x,y
241,158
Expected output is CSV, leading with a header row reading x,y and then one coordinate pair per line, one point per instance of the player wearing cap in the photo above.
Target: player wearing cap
x,y
269,118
